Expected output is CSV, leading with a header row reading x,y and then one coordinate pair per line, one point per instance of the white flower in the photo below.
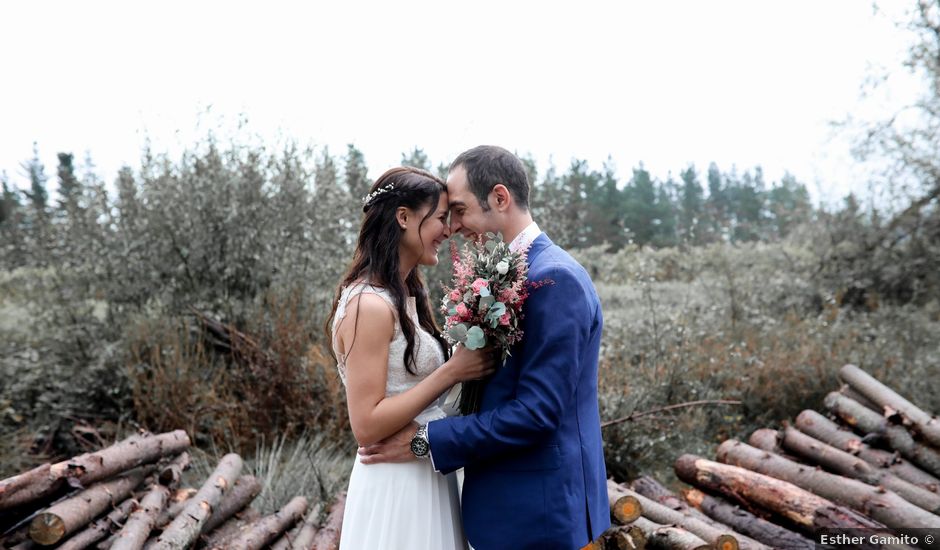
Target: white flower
x,y
502,267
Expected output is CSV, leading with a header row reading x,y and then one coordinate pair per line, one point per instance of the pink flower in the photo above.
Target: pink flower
x,y
455,295
508,296
504,319
478,284
462,310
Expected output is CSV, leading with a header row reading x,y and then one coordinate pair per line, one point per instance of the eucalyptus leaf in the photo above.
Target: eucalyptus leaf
x,y
475,338
458,332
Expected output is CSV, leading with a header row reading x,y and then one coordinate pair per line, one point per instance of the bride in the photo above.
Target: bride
x,y
393,362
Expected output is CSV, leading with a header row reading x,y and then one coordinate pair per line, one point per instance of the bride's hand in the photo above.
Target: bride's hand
x,y
467,364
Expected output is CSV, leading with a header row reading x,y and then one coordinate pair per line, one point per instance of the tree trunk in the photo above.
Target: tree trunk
x,y
101,528
884,506
68,516
171,473
662,514
900,439
90,467
747,523
219,538
328,536
848,465
624,537
803,508
185,528
816,425
623,507
137,529
922,424
671,538
246,488
268,528
653,490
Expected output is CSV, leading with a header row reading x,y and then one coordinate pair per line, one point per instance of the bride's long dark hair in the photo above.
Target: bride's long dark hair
x,y
376,260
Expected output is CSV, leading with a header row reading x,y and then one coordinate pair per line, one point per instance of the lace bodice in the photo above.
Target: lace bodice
x,y
427,352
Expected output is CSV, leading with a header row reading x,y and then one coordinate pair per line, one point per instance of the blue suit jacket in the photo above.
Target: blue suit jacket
x,y
533,457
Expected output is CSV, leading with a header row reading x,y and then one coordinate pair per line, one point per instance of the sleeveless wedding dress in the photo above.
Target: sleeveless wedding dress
x,y
408,505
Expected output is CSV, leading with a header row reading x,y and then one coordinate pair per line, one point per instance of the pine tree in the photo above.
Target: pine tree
x,y
69,186
356,175
789,205
639,198
9,200
37,193
691,207
416,158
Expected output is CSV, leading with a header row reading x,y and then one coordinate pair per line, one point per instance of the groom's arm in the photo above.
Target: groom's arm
x,y
560,318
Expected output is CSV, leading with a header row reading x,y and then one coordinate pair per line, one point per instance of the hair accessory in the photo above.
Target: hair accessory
x,y
371,196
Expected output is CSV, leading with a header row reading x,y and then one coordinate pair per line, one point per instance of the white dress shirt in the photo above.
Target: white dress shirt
x,y
524,240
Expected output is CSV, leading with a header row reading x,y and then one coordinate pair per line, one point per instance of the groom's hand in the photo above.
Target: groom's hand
x,y
395,448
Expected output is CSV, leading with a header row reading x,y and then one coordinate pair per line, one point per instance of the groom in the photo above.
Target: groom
x,y
532,457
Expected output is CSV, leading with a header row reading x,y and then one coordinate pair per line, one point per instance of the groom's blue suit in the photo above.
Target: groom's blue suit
x,y
533,457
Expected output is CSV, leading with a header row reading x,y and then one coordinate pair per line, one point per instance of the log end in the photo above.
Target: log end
x,y
726,542
47,529
627,509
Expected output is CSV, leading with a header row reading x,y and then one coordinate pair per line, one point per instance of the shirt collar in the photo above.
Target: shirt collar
x,y
524,240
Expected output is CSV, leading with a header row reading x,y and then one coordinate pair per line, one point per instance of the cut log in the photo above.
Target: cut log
x,y
178,500
328,536
219,538
286,542
137,529
816,425
101,528
246,488
922,424
802,507
669,537
186,527
68,516
25,487
171,473
875,502
653,490
747,523
848,465
623,507
661,514
847,391
268,528
90,467
868,421
624,537
769,440
308,531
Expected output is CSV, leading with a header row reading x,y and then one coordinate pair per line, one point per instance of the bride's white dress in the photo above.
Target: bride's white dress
x,y
409,505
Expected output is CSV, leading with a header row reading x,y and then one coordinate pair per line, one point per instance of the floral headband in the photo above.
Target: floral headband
x,y
372,196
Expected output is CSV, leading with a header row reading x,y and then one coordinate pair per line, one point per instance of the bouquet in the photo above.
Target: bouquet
x,y
483,305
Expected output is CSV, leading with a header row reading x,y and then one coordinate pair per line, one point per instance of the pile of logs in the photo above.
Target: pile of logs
x,y
128,496
876,473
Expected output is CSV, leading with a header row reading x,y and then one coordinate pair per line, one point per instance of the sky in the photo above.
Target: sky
x,y
666,83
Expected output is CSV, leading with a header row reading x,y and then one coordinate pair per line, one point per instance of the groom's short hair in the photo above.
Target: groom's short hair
x,y
488,165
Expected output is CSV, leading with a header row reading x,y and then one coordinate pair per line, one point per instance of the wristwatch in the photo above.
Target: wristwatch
x,y
420,445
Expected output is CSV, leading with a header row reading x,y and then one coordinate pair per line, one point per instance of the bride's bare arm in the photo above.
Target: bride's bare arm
x,y
368,330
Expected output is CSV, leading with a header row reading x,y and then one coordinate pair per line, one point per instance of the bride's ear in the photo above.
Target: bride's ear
x,y
402,215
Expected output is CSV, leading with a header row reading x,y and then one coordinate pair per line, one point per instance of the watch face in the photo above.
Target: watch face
x,y
419,447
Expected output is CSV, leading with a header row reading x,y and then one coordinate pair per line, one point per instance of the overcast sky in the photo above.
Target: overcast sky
x,y
666,83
